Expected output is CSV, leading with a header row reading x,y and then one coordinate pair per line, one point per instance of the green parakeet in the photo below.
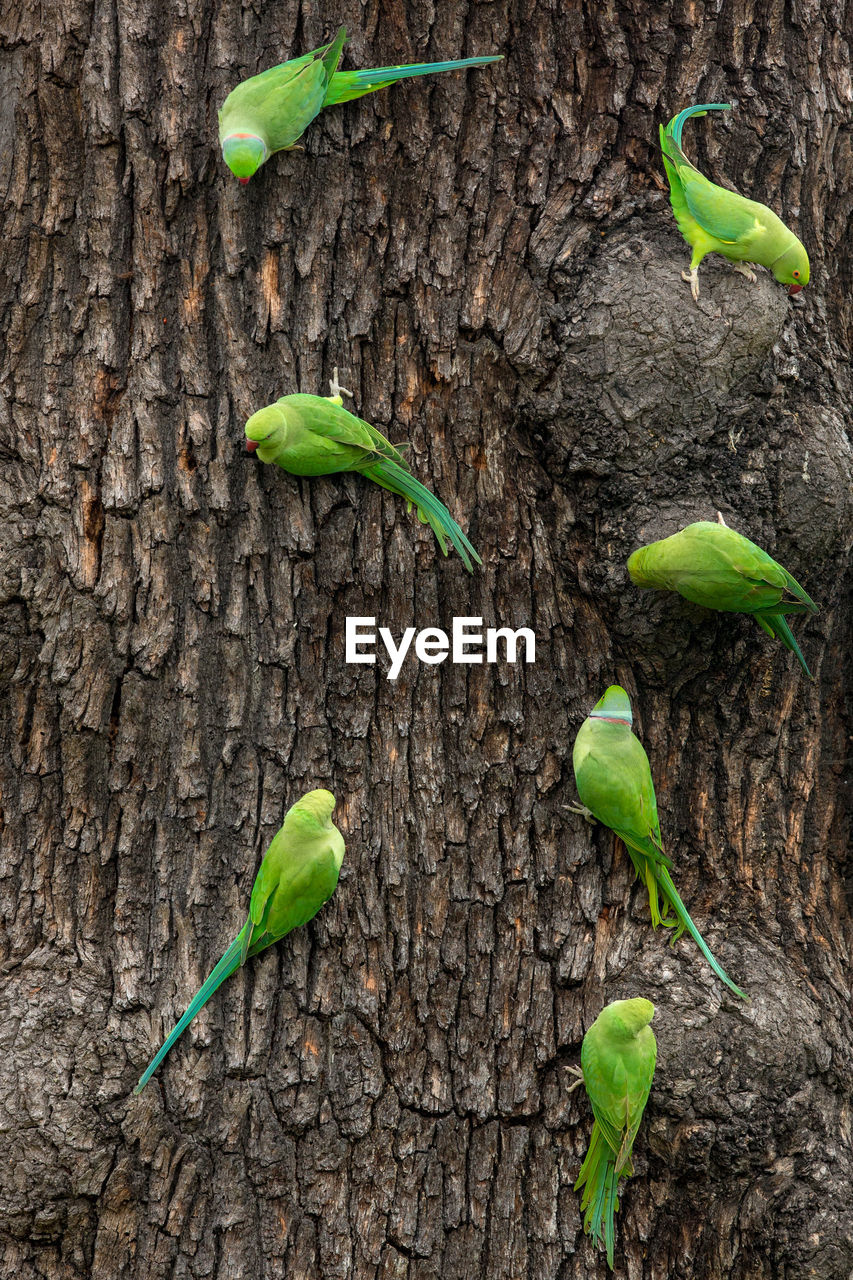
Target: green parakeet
x,y
617,1067
299,872
615,786
269,112
713,566
316,436
715,220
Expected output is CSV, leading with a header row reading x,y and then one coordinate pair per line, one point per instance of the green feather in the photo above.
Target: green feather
x,y
277,106
299,872
312,436
614,782
225,967
718,568
713,219
618,1058
347,85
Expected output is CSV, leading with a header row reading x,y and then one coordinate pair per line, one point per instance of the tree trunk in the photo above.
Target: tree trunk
x,y
490,259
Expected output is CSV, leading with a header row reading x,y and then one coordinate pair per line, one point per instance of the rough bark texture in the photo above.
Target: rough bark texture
x,y
491,261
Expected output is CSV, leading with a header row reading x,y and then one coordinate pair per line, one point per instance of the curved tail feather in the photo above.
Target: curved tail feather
x,y
346,85
776,625
676,124
226,966
685,923
600,1200
430,509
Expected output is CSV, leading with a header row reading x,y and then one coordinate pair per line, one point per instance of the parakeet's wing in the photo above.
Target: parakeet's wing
x,y
626,801
725,215
603,1081
765,571
289,890
280,103
642,828
637,1092
333,422
764,584
610,1120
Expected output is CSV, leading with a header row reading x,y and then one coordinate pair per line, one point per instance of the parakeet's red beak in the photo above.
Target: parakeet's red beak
x,y
243,182
251,445
794,288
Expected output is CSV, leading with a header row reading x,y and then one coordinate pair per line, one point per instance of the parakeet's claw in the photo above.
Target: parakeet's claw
x,y
692,278
338,392
720,520
582,809
575,1071
744,270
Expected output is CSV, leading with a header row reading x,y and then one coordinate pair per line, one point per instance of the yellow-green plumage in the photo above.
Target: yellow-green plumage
x,y
315,436
614,782
718,568
270,112
299,872
715,220
618,1058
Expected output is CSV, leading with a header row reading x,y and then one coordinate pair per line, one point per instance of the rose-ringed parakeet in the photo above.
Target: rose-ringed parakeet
x,y
617,1067
270,111
299,872
714,566
715,220
316,436
615,786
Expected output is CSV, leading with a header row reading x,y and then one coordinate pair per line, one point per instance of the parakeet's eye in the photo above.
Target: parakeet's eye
x,y
796,275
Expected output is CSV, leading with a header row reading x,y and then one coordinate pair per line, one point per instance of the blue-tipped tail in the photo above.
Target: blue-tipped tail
x,y
226,966
676,124
430,510
344,86
600,1181
387,75
670,892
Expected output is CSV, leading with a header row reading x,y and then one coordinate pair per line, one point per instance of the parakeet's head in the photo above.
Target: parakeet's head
x,y
636,568
613,705
244,154
266,427
792,267
628,1017
314,810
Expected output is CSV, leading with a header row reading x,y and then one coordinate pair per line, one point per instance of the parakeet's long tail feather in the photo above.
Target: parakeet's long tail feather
x,y
670,892
676,124
775,625
610,1203
226,966
645,869
346,85
600,1181
433,512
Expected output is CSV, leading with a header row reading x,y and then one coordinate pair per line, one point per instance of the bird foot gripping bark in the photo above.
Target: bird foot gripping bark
x,y
575,1071
744,270
692,278
582,809
338,392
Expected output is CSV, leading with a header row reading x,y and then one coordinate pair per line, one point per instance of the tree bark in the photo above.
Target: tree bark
x,y
490,259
